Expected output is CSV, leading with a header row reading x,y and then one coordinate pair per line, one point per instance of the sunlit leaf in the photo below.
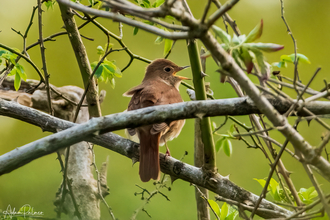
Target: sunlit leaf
x,y
255,33
227,147
158,3
224,37
17,81
224,211
21,71
112,82
167,46
262,182
214,206
219,144
301,58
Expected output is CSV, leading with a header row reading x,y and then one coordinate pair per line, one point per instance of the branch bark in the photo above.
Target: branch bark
x,y
169,165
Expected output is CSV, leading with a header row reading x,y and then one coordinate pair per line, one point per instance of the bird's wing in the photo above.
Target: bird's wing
x,y
133,90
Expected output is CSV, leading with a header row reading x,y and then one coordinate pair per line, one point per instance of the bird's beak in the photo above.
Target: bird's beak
x,y
181,77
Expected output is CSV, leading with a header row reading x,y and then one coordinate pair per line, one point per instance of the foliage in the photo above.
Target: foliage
x,y
7,58
107,70
226,212
245,52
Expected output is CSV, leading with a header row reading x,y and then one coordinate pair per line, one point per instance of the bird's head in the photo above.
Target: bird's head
x,y
166,70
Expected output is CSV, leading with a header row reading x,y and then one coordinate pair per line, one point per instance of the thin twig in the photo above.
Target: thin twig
x,y
43,58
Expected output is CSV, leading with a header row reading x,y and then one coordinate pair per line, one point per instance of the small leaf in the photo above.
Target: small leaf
x,y
112,82
146,3
99,71
159,40
214,206
232,213
158,3
219,144
301,58
262,182
273,185
21,71
247,59
91,2
287,58
100,50
227,147
167,46
261,61
236,55
17,81
135,31
255,33
224,37
266,47
224,211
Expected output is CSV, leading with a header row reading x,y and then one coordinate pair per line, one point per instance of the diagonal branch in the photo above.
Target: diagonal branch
x,y
121,18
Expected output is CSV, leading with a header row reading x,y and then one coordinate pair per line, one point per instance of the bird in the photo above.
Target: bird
x,y
160,86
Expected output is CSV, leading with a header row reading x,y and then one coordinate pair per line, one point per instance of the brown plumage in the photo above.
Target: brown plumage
x,y
160,86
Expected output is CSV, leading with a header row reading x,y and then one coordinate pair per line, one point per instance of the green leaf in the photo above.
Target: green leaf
x,y
50,4
273,185
287,58
112,82
21,72
146,3
159,40
17,81
262,182
266,47
219,144
260,60
214,206
100,50
301,58
135,31
247,59
224,211
99,71
158,3
167,46
224,37
232,213
255,33
91,2
236,55
227,147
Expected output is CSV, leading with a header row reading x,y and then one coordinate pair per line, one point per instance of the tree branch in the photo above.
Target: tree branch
x,y
169,165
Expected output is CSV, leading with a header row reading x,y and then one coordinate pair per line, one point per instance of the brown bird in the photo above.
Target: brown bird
x,y
160,86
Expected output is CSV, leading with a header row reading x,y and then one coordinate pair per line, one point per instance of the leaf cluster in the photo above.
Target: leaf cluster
x,y
226,212
7,58
246,53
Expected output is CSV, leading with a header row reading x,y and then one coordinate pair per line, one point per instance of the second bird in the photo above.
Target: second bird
x,y
160,86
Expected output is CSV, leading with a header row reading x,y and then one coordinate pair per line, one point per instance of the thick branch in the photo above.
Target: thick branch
x,y
83,62
169,165
88,131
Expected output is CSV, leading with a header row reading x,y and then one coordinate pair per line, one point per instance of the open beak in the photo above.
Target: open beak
x,y
181,77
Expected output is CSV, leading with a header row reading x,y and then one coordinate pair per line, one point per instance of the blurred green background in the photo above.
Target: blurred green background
x,y
37,182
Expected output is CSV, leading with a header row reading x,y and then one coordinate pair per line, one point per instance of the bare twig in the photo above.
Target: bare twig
x,y
43,58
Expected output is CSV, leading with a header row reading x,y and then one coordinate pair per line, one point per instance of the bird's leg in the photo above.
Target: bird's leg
x,y
168,153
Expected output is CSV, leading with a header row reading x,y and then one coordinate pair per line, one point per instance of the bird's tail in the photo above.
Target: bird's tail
x,y
149,156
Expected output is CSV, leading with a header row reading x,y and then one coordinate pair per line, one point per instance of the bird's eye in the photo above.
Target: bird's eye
x,y
167,69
